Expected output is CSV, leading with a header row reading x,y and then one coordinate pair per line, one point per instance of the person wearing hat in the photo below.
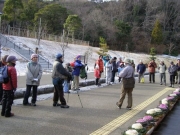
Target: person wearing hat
x,y
141,69
10,87
33,77
76,72
114,70
59,73
127,72
108,72
162,70
172,72
152,68
2,64
178,71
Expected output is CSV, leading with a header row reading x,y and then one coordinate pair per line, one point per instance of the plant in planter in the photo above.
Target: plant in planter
x,y
139,128
131,132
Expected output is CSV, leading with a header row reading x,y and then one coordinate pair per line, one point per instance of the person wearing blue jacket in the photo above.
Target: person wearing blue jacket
x,y
76,72
105,60
141,68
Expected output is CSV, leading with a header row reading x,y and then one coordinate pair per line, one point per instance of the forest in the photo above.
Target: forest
x,y
128,25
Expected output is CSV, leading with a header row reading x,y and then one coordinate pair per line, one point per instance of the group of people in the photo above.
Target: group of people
x,y
173,70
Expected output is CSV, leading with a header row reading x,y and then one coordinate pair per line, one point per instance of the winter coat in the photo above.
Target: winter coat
x,y
151,67
120,69
33,70
105,60
172,70
96,73
99,62
77,67
59,72
12,84
114,67
108,70
178,66
162,68
141,68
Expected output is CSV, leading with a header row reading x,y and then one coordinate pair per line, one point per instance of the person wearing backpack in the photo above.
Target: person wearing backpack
x,y
2,64
9,88
76,72
33,77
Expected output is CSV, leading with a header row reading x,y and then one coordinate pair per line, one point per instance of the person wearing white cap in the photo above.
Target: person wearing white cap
x,y
126,74
10,87
33,77
162,70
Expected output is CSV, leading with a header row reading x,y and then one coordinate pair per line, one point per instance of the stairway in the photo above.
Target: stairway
x,y
24,52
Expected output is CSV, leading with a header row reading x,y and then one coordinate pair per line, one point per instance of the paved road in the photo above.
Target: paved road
x,y
99,113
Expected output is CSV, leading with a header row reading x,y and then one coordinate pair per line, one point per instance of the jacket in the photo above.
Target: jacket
x,y
141,68
151,67
12,84
172,69
162,68
96,73
99,62
77,67
59,72
33,70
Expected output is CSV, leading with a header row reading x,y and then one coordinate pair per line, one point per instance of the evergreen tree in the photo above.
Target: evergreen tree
x,y
103,47
157,35
152,53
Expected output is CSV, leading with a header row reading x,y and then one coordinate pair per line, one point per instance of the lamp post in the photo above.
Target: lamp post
x,y
0,21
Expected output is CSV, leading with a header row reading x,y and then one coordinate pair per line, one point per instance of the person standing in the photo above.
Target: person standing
x,y
172,72
120,68
114,70
76,72
152,69
141,69
105,60
97,75
178,71
162,71
2,63
33,77
59,73
66,83
109,72
127,72
119,62
100,63
10,87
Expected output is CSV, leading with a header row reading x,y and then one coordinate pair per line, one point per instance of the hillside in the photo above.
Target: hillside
x,y
49,49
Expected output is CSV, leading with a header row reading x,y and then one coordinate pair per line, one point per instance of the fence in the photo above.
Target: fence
x,y
44,36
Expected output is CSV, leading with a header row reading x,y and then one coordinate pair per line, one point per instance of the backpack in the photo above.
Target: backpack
x,y
83,73
4,74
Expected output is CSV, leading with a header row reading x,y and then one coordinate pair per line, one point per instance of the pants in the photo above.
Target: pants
x,y
65,86
104,72
75,84
28,92
1,92
113,76
140,76
178,77
163,77
108,77
97,81
172,79
152,77
123,95
7,101
59,93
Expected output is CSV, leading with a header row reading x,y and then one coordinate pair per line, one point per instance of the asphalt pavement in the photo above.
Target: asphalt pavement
x,y
99,115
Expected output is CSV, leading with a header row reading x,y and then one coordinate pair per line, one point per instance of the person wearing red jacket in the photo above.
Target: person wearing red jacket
x,y
152,69
9,88
97,75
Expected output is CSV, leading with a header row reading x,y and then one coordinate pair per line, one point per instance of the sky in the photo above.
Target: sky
x,y
49,49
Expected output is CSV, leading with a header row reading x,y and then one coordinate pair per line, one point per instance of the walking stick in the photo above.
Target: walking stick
x,y
79,98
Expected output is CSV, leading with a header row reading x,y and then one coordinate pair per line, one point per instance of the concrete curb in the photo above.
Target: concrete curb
x,y
50,88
